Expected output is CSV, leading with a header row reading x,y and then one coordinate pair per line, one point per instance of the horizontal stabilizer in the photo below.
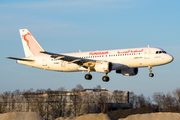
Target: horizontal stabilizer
x,y
22,59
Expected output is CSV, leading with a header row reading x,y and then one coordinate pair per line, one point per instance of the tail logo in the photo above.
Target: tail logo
x,y
31,44
24,37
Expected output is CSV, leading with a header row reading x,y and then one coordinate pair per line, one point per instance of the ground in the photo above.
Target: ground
x,y
126,112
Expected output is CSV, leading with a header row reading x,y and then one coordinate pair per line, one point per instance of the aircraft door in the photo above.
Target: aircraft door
x,y
146,53
44,61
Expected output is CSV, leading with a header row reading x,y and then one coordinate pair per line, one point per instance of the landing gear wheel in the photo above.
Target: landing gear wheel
x,y
105,78
150,70
151,75
88,76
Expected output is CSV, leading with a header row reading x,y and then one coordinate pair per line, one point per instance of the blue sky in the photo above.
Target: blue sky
x,y
69,26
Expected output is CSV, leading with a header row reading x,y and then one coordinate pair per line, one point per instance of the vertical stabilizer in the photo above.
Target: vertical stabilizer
x,y
30,45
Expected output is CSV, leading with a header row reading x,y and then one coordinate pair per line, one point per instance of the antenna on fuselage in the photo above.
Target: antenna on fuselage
x,y
148,46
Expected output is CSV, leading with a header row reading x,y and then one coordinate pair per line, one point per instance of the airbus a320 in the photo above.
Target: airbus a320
x,y
123,61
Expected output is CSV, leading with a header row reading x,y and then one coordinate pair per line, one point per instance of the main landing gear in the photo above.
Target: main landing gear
x,y
150,70
105,78
89,76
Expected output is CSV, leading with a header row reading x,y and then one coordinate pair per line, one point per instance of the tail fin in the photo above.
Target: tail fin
x,y
30,45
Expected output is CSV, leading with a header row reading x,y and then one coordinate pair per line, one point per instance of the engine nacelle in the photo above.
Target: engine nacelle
x,y
128,71
103,67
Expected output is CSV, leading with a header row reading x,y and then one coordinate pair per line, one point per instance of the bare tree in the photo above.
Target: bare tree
x,y
12,102
149,102
104,97
101,99
48,102
88,100
1,104
62,102
26,95
97,88
159,98
5,98
18,99
170,103
39,102
76,98
1,107
132,99
58,107
141,101
118,97
176,95
9,100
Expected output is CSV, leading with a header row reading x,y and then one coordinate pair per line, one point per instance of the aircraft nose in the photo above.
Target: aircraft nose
x,y
170,58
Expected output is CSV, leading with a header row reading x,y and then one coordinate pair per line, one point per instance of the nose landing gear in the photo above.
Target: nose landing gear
x,y
150,70
151,75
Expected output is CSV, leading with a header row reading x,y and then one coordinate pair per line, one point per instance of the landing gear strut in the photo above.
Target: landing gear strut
x,y
150,70
105,78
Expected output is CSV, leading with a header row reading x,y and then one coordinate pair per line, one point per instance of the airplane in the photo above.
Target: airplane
x,y
123,61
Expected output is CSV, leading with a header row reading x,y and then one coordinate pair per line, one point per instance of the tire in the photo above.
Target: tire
x,y
151,75
105,78
88,77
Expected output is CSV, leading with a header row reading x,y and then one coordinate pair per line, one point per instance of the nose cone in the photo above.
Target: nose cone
x,y
169,58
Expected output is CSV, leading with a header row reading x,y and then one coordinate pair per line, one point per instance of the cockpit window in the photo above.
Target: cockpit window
x,y
159,52
164,51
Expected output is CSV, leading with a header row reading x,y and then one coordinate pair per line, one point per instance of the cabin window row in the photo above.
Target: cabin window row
x,y
111,55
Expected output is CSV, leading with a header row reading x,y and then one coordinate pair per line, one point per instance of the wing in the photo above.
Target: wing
x,y
71,59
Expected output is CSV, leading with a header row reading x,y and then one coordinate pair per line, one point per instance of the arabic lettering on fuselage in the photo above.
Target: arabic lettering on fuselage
x,y
130,51
98,53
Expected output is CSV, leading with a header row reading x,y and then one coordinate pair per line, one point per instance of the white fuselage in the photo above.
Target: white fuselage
x,y
120,59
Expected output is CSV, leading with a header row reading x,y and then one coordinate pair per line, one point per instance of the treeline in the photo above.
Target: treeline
x,y
53,104
169,102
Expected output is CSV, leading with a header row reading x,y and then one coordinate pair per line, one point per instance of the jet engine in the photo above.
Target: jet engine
x,y
103,67
128,71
